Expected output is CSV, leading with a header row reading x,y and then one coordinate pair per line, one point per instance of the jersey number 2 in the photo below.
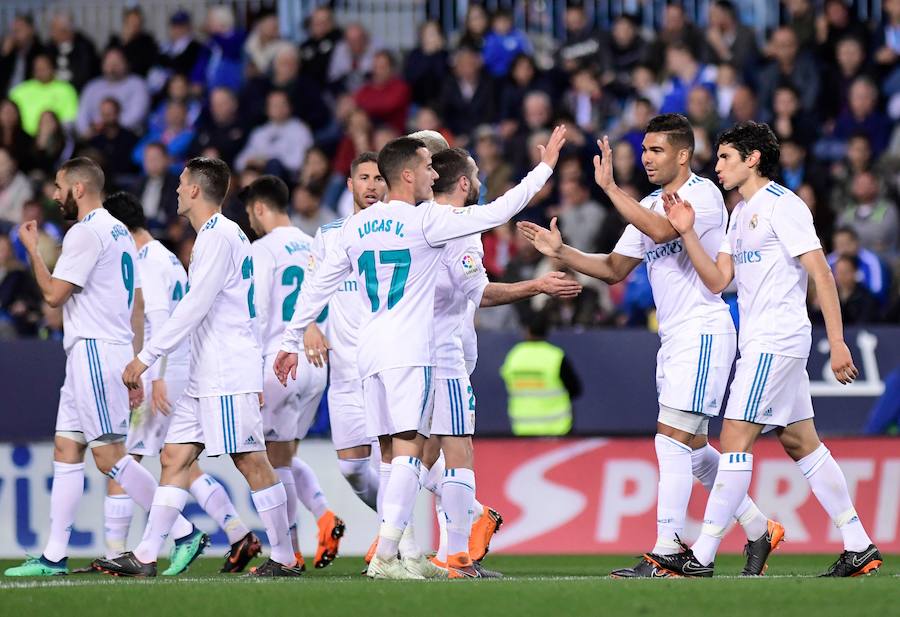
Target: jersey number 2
x,y
247,273
292,275
128,276
400,259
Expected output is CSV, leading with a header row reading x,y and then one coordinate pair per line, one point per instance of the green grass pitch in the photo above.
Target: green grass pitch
x,y
549,586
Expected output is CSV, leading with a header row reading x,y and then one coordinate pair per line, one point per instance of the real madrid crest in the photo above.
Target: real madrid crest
x,y
754,221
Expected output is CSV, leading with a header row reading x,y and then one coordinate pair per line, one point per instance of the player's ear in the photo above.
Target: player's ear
x,y
350,184
753,158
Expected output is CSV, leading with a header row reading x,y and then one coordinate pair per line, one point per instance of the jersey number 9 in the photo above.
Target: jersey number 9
x,y
128,276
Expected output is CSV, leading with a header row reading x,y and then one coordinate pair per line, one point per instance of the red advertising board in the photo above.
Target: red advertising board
x,y
599,495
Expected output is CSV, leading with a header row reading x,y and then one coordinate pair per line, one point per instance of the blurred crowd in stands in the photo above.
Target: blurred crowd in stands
x,y
234,88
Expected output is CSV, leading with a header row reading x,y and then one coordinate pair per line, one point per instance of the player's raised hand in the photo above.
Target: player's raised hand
x,y
842,363
132,375
28,234
547,241
159,397
316,346
603,168
550,152
680,213
559,285
285,364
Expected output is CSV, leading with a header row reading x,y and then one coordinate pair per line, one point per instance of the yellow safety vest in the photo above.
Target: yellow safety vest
x,y
539,403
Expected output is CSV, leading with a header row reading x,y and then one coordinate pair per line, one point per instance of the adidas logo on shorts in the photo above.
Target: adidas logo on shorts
x,y
767,413
139,444
714,404
250,441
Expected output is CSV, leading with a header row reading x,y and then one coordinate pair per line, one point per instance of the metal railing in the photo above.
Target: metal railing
x,y
394,23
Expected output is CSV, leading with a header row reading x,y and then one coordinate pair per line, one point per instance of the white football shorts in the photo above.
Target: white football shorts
x,y
398,400
289,411
692,372
93,400
226,424
147,432
769,389
454,407
346,410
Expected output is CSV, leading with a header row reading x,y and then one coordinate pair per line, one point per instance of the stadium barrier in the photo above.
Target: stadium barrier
x,y
557,496
617,368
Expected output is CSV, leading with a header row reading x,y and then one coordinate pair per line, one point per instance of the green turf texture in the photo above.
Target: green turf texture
x,y
549,586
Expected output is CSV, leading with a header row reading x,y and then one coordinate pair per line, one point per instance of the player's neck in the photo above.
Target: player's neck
x,y
279,220
678,181
142,237
88,206
751,185
201,213
402,194
450,199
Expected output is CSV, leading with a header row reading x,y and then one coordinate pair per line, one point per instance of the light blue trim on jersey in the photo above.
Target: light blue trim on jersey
x,y
759,385
335,224
702,372
226,404
776,189
427,375
96,372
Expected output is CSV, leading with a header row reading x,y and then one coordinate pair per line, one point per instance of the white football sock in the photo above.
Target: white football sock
x,y
308,488
290,490
117,512
675,480
705,462
271,504
399,500
732,482
141,486
362,478
409,546
442,530
431,477
168,502
458,494
384,476
68,487
212,497
829,485
477,509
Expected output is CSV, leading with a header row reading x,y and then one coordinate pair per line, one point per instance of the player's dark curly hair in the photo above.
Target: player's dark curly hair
x,y
677,129
747,137
271,190
127,208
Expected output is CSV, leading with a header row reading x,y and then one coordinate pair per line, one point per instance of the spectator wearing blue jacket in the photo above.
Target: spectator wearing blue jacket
x,y
503,44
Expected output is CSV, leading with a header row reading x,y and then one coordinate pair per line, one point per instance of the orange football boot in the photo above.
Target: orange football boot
x,y
331,530
483,529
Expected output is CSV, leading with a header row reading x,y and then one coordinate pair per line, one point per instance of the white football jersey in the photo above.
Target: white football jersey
x,y
346,310
766,235
395,251
99,256
684,305
281,262
461,282
217,314
163,283
470,338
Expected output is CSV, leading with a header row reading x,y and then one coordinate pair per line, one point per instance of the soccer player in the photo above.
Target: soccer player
x,y
220,408
397,248
339,343
695,328
96,283
771,249
164,283
281,260
463,280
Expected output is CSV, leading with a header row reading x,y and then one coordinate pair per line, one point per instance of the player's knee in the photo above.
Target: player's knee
x,y
354,471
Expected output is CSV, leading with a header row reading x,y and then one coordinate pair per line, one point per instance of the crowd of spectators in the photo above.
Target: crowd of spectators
x,y
234,88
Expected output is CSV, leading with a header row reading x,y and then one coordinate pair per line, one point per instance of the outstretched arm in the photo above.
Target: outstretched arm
x,y
609,268
444,223
716,275
552,284
654,224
